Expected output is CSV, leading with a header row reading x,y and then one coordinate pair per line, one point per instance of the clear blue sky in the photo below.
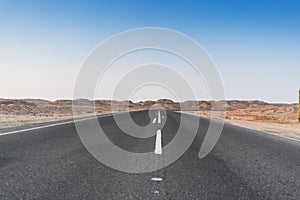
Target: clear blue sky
x,y
255,44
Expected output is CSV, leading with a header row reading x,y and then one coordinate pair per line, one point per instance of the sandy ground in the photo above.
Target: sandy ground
x,y
285,128
7,121
15,113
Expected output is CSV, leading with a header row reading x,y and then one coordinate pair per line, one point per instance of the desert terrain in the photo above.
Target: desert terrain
x,y
281,119
277,119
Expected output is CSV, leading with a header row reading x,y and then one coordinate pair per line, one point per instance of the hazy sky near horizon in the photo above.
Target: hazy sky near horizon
x,y
254,43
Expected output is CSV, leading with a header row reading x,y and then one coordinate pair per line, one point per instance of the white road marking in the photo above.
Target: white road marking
x,y
159,120
46,126
154,120
158,149
156,179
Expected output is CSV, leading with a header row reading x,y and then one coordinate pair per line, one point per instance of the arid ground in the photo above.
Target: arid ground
x,y
281,119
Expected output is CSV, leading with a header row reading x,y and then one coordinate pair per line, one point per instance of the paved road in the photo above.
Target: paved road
x,y
52,163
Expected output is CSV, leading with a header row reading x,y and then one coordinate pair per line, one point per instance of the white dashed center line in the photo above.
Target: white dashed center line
x,y
154,120
156,179
158,149
159,120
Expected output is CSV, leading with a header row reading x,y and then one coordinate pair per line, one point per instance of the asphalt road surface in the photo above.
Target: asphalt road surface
x,y
52,163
